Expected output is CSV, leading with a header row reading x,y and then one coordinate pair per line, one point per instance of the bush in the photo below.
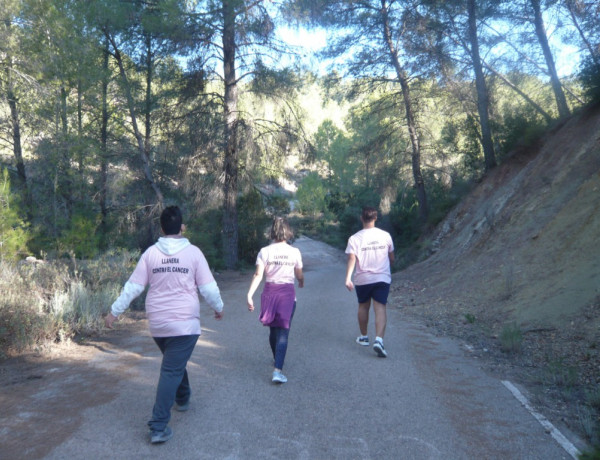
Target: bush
x,y
520,127
82,237
51,301
253,223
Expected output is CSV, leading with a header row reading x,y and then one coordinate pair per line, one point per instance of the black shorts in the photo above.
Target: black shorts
x,y
377,291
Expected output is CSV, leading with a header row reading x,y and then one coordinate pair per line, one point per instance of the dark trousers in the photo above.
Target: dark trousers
x,y
173,384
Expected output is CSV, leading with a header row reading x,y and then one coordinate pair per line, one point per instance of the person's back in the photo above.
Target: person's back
x,y
371,247
279,260
175,271
173,268
371,252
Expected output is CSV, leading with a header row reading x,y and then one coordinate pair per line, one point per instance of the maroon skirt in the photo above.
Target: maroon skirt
x,y
277,305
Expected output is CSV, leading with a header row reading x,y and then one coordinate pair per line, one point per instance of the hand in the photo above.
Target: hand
x,y
301,283
250,305
218,315
349,285
109,320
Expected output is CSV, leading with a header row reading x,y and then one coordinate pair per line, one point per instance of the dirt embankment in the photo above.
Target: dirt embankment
x,y
523,250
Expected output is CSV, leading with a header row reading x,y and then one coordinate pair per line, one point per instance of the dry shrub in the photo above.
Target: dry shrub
x,y
51,301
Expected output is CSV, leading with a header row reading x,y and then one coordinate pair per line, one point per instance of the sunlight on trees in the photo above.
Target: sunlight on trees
x,y
108,112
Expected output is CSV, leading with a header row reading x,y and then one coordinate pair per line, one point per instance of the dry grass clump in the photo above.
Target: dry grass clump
x,y
51,301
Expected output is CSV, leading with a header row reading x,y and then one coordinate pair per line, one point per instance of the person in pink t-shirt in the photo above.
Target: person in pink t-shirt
x,y
371,252
281,263
175,271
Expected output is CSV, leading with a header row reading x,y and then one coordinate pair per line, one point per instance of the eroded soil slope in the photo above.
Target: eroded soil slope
x,y
523,249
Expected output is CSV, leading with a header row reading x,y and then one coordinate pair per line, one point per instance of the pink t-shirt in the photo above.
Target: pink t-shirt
x,y
371,248
279,260
172,303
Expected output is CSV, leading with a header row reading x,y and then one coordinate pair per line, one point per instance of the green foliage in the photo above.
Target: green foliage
x,y
82,237
278,205
334,148
349,218
592,453
14,233
520,126
204,230
444,192
590,79
404,218
253,225
472,153
311,195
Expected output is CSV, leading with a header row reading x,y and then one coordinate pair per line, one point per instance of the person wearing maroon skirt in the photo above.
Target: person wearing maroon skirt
x,y
282,264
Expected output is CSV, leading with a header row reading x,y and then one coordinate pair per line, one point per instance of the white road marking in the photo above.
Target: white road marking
x,y
556,434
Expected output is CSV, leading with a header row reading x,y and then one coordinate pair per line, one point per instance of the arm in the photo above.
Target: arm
x,y
256,279
130,292
392,257
349,270
299,276
211,294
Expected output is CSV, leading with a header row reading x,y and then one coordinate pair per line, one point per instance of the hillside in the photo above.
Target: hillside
x,y
522,249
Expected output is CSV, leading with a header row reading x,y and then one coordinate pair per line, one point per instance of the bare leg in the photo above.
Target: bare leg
x,y
380,318
363,317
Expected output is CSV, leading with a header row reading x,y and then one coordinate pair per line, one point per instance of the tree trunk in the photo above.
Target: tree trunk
x,y
80,149
571,6
148,102
138,136
16,135
482,93
540,30
230,185
410,117
104,146
66,182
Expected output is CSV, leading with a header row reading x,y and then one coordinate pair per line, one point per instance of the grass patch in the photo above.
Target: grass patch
x,y
511,338
593,398
470,318
557,373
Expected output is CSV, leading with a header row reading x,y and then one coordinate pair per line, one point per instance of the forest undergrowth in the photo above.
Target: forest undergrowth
x,y
49,301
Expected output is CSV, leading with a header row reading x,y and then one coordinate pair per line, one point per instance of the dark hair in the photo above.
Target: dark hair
x,y
280,230
170,220
368,214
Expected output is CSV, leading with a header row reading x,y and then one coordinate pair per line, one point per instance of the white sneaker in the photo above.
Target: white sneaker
x,y
363,340
378,347
278,377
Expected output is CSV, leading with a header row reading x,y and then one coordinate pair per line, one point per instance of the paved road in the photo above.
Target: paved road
x,y
427,400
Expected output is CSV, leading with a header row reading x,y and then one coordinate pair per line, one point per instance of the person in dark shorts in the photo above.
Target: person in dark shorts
x,y
371,252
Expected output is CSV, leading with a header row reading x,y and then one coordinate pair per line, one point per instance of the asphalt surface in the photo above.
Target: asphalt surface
x,y
427,400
